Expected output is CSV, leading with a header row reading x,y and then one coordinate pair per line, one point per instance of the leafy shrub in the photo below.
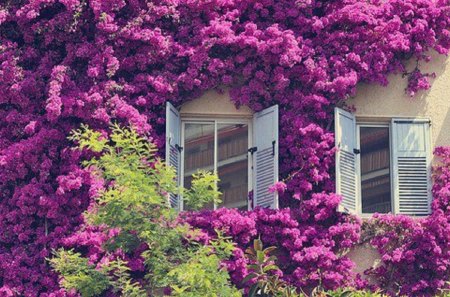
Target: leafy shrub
x,y
347,293
79,274
199,276
84,278
266,283
134,213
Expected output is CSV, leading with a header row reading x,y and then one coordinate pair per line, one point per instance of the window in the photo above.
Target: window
x,y
383,167
242,152
375,167
229,142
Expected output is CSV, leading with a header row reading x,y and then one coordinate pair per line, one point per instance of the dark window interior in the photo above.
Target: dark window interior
x,y
375,170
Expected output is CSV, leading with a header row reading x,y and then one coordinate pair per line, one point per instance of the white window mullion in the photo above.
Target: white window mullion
x,y
183,144
358,172
215,156
394,204
216,162
250,165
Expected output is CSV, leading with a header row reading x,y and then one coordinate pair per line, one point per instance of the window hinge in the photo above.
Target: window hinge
x,y
252,150
273,147
356,151
179,148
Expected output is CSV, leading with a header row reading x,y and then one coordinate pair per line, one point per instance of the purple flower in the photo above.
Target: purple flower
x,y
279,187
68,62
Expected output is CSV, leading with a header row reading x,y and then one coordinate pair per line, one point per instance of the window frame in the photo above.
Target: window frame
x,y
216,120
372,124
385,121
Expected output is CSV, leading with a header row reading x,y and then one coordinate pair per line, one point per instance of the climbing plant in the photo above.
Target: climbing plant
x,y
66,62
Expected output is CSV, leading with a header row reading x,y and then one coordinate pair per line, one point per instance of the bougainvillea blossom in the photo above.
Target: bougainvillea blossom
x,y
68,62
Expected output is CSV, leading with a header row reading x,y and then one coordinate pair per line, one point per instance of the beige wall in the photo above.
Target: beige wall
x,y
392,101
213,103
364,256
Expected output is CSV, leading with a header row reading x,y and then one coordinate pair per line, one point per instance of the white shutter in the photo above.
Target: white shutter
x,y
411,153
346,169
173,147
265,158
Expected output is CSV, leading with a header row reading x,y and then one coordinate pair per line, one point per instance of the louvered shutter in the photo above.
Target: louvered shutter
x,y
411,152
346,169
265,158
173,146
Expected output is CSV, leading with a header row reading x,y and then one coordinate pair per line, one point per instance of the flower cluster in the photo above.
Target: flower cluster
x,y
416,253
307,243
68,62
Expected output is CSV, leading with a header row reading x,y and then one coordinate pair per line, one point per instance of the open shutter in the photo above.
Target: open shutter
x,y
346,169
265,156
173,147
411,166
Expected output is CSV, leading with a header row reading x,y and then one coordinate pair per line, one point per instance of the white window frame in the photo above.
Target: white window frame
x,y
218,120
368,124
363,121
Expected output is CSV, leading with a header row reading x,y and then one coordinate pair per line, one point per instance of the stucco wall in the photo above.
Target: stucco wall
x,y
213,103
392,101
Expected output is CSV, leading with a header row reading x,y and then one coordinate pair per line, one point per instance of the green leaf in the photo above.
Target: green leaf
x,y
260,256
249,277
270,268
253,266
253,290
269,250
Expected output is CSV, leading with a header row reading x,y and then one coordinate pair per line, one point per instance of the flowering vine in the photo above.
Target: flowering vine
x,y
66,62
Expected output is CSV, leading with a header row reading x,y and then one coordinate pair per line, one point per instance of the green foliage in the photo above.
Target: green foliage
x,y
88,138
267,284
121,280
169,248
78,274
203,190
445,292
135,202
89,281
200,275
346,292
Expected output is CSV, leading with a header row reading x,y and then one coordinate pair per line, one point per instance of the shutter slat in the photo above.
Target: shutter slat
x,y
173,141
346,178
265,159
411,156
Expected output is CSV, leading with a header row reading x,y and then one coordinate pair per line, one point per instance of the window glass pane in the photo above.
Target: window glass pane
x,y
375,170
233,164
198,151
